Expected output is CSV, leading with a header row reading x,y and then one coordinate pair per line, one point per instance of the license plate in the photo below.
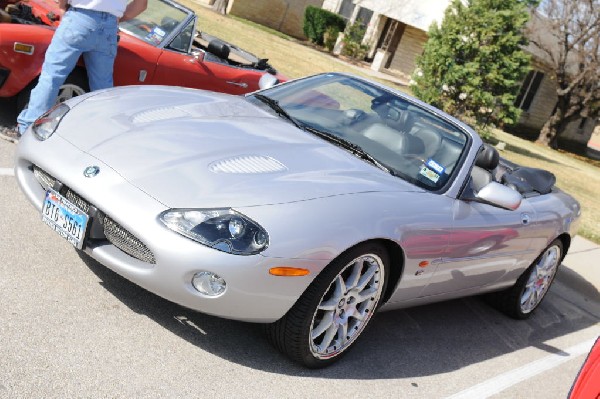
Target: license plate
x,y
65,218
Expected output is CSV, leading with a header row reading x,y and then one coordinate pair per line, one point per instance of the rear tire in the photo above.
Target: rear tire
x,y
75,85
525,296
335,309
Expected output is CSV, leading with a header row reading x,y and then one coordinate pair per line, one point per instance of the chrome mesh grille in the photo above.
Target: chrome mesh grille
x,y
76,200
45,180
114,232
126,241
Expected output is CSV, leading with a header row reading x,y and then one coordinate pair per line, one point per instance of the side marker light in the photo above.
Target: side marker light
x,y
23,48
288,271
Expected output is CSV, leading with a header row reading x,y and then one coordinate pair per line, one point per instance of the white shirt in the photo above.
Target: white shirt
x,y
114,7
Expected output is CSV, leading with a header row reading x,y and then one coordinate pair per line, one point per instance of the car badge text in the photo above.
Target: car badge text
x,y
91,171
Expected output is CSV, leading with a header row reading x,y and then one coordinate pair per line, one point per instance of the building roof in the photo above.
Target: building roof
x,y
417,13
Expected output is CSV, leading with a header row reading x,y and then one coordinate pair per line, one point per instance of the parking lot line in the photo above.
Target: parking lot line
x,y
518,375
7,172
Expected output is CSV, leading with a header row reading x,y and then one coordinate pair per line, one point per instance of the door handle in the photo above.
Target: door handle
x,y
240,84
525,218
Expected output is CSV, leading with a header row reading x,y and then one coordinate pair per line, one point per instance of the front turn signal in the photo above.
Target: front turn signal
x,y
288,271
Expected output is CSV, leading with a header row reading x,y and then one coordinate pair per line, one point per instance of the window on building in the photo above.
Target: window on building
x,y
364,16
530,86
346,9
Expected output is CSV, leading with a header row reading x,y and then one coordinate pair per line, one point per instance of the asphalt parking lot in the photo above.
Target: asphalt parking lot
x,y
71,328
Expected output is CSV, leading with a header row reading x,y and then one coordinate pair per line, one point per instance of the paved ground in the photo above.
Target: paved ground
x,y
69,327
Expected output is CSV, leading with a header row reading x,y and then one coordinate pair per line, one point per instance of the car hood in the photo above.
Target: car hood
x,y
192,148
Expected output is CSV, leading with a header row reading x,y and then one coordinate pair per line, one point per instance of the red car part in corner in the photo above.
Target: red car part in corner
x,y
587,383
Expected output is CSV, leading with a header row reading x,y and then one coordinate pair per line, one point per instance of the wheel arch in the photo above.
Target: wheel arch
x,y
396,254
23,95
565,238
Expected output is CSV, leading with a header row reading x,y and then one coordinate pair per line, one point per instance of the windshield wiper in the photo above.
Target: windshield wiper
x,y
351,147
274,105
332,138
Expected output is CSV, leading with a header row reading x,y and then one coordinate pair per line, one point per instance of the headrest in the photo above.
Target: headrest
x,y
406,121
218,48
488,158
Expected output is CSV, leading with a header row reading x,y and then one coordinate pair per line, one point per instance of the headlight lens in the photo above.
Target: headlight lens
x,y
46,125
223,229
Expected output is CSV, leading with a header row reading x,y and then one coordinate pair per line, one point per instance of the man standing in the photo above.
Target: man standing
x,y
88,28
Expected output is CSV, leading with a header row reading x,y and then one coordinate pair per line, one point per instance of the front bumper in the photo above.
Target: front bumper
x,y
252,293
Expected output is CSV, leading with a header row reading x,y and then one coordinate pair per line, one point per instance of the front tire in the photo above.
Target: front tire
x,y
335,309
75,85
525,296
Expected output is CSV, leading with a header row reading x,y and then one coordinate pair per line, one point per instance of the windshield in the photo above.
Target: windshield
x,y
157,22
376,125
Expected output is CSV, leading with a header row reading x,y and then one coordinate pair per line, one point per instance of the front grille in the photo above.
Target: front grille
x,y
76,200
126,242
45,180
116,234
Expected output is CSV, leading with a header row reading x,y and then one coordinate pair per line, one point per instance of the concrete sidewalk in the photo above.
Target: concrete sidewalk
x,y
582,264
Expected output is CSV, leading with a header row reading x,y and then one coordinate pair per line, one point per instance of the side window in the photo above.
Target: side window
x,y
528,90
183,41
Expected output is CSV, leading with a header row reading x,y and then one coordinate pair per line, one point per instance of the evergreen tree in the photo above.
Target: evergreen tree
x,y
473,63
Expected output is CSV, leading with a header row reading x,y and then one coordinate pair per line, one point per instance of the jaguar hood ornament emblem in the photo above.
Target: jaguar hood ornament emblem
x,y
91,171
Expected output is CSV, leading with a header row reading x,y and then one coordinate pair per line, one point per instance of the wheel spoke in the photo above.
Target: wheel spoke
x,y
343,333
366,278
366,295
329,336
66,93
527,294
324,324
354,277
340,288
358,314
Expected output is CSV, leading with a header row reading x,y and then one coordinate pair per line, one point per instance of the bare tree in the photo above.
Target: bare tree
x,y
567,35
220,6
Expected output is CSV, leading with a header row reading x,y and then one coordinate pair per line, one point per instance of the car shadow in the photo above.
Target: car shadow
x,y
415,342
8,112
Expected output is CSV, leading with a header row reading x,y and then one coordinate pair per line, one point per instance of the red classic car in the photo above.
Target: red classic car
x,y
162,46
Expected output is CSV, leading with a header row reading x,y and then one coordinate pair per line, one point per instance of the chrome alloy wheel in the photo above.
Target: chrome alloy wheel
x,y
348,304
540,278
67,91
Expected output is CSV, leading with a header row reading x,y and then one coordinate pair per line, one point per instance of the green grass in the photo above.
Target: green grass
x,y
578,176
292,58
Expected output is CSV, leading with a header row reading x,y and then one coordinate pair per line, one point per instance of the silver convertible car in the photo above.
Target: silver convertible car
x,y
307,206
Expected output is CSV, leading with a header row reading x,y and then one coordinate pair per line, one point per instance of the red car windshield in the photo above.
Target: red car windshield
x,y
157,22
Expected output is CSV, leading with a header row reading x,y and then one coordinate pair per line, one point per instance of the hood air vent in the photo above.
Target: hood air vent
x,y
159,114
247,164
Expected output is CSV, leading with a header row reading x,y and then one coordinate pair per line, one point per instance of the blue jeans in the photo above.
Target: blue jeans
x,y
87,32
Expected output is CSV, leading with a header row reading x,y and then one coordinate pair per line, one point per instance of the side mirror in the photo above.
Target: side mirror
x,y
267,80
499,195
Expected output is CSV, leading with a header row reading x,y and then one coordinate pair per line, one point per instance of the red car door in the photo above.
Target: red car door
x,y
136,61
180,69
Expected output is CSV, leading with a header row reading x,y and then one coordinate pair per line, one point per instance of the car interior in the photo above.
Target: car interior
x,y
529,182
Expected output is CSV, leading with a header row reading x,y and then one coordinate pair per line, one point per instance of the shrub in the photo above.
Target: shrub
x,y
330,37
316,22
473,63
353,46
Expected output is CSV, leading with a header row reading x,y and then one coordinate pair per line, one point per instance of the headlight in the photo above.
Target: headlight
x,y
46,124
222,229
